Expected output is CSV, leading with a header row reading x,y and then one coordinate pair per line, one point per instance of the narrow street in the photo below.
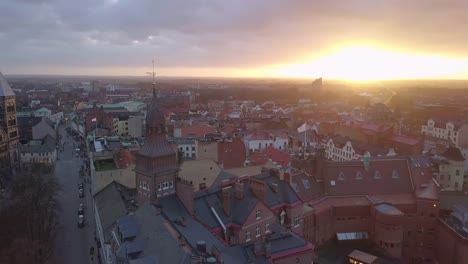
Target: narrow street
x,y
73,243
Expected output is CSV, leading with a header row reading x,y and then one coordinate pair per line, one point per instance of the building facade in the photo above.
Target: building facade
x,y
447,131
9,136
156,162
39,152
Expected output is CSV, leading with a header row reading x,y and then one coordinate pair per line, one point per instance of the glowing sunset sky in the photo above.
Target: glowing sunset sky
x,y
352,39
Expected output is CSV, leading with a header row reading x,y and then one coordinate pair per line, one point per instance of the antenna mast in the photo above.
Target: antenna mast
x,y
153,74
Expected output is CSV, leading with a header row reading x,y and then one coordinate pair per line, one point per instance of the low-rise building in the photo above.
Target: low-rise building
x,y
188,146
344,149
389,201
452,236
444,130
39,152
44,128
450,168
262,140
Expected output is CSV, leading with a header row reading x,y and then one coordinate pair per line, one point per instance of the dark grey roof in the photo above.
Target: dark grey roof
x,y
39,146
193,231
28,120
183,141
110,206
153,243
240,209
284,195
5,89
156,145
145,260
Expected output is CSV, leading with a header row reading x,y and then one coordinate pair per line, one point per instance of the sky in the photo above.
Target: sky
x,y
339,39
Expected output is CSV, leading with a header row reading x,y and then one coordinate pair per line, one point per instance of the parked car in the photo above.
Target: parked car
x,y
81,193
80,185
81,221
81,210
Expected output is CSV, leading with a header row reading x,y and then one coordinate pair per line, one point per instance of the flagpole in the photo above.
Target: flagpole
x,y
305,139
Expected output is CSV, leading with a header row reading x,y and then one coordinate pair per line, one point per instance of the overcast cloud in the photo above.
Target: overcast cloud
x,y
39,35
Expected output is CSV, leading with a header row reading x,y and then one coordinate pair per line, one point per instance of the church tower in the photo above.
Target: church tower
x,y
9,137
156,163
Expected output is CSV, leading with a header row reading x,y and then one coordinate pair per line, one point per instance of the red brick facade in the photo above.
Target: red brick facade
x,y
103,120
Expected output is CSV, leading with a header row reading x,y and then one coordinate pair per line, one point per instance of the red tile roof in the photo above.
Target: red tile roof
x,y
453,153
384,176
257,158
280,157
405,140
124,158
197,131
232,154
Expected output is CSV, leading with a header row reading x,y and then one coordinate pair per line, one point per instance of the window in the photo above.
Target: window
x,y
341,176
165,185
159,187
377,175
247,236
359,175
257,231
171,184
258,214
457,172
296,221
187,148
267,228
193,148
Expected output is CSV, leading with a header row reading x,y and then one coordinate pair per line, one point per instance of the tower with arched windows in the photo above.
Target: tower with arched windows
x,y
9,137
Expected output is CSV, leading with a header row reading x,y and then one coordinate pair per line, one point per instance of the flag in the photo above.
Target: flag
x,y
305,127
94,120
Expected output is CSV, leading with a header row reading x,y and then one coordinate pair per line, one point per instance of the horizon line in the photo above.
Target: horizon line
x,y
235,77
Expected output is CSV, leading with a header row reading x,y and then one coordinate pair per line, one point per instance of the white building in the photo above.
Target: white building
x,y
188,146
447,131
342,149
39,152
260,141
451,168
340,152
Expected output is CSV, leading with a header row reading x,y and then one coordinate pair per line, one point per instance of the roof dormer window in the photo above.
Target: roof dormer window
x,y
377,175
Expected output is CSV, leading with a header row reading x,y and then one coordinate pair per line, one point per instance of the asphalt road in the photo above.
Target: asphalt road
x,y
73,243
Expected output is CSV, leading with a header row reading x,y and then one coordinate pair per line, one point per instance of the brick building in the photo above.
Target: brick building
x,y
392,202
104,121
156,163
452,234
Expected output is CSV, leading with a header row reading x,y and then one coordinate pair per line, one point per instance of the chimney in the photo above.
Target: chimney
x,y
239,190
258,188
288,178
227,199
267,248
319,162
258,248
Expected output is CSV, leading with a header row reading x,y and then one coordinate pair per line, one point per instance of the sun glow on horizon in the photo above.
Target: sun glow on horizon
x,y
367,64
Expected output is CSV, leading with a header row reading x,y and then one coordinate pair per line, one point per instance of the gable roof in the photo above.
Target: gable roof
x,y
200,171
240,208
232,154
153,240
110,206
453,153
5,89
376,180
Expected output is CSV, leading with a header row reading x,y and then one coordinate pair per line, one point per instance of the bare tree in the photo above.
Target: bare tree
x,y
30,211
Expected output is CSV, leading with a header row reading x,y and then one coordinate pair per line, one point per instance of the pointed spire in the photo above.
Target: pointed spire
x,y
154,83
